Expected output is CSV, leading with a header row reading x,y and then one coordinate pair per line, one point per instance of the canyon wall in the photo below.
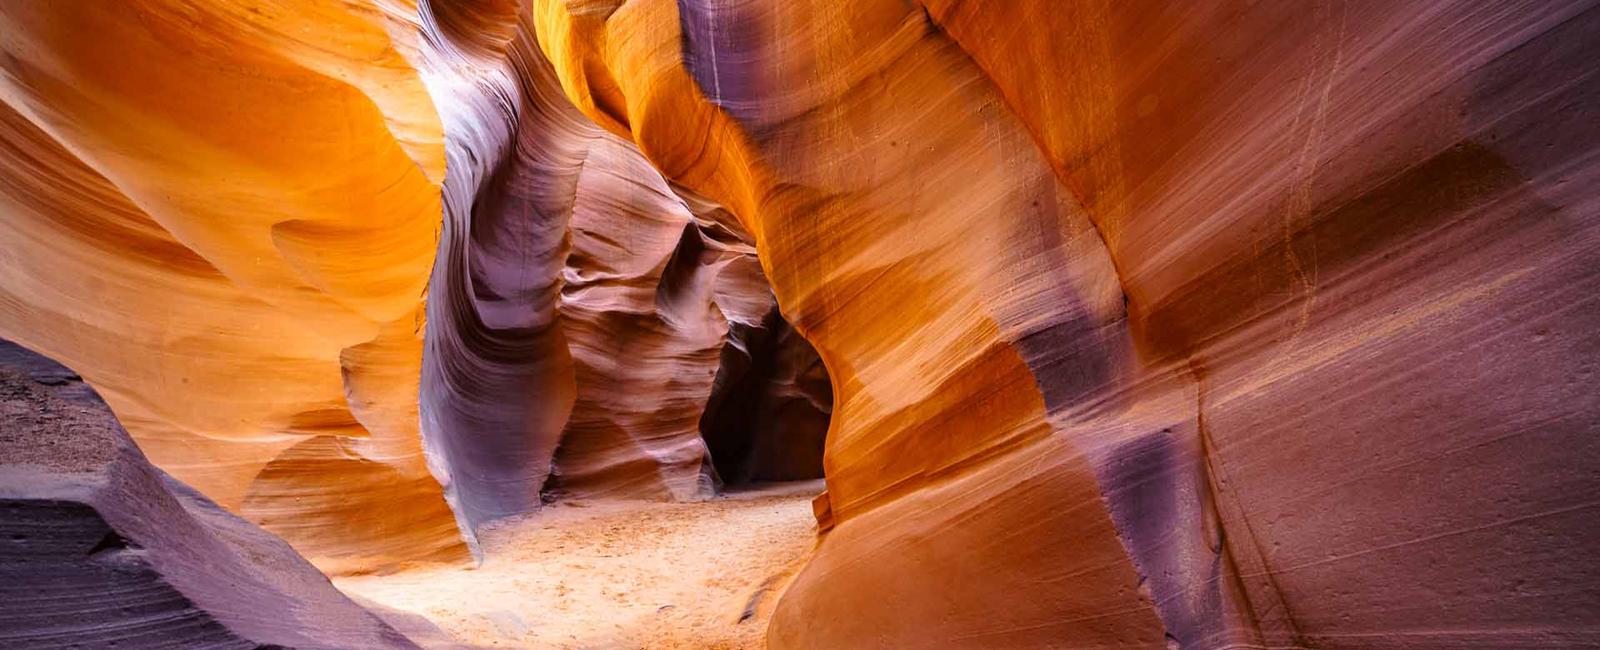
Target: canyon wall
x,y
497,381
578,304
103,550
1144,323
650,289
1152,323
223,214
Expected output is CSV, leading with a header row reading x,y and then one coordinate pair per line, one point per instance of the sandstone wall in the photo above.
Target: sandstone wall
x,y
103,550
223,215
1216,324
1221,325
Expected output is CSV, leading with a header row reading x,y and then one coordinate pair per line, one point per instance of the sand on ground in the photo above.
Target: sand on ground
x,y
616,574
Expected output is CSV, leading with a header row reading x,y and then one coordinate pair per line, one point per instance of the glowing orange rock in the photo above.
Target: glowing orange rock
x,y
1155,324
223,215
1145,323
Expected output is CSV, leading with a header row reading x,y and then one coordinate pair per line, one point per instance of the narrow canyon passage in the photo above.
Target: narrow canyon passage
x,y
579,573
1114,324
616,574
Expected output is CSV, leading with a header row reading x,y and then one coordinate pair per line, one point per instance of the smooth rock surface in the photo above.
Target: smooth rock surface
x,y
100,549
1145,324
223,214
1150,323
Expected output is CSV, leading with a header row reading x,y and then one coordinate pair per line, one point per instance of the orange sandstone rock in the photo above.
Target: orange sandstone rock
x,y
223,216
1151,323
1145,324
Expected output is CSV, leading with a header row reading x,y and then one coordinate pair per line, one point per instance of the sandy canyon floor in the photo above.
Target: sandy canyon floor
x,y
615,575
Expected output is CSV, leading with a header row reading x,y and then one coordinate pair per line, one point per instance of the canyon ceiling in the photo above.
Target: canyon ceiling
x,y
1129,324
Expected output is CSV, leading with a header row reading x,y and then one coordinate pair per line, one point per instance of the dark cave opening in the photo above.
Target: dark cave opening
x,y
769,409
767,414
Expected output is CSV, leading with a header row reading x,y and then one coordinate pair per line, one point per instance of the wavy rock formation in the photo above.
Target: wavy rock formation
x,y
104,550
1141,311
651,288
603,341
1144,324
222,214
497,382
635,306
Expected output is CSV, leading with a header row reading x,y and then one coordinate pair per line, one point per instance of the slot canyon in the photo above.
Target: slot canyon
x,y
809,324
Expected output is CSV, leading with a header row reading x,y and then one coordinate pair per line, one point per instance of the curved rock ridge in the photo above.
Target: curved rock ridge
x,y
577,300
589,381
497,383
1142,324
103,550
1152,324
652,285
223,214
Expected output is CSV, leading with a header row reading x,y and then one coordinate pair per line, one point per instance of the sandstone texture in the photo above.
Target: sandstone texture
x,y
579,303
649,293
1109,324
100,549
497,377
223,214
1150,322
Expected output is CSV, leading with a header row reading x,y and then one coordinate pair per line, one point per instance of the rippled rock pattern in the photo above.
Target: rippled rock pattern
x,y
1157,322
100,549
649,292
579,302
222,214
1144,323
498,383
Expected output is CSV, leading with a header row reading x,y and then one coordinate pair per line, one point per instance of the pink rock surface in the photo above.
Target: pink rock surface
x,y
103,550
1144,324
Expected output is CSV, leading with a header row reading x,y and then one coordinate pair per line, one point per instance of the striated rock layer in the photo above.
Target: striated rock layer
x,y
497,380
652,286
578,302
1144,323
103,550
1153,324
223,215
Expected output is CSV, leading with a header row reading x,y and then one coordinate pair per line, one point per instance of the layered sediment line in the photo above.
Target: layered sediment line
x,y
1140,324
223,215
103,550
1311,221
